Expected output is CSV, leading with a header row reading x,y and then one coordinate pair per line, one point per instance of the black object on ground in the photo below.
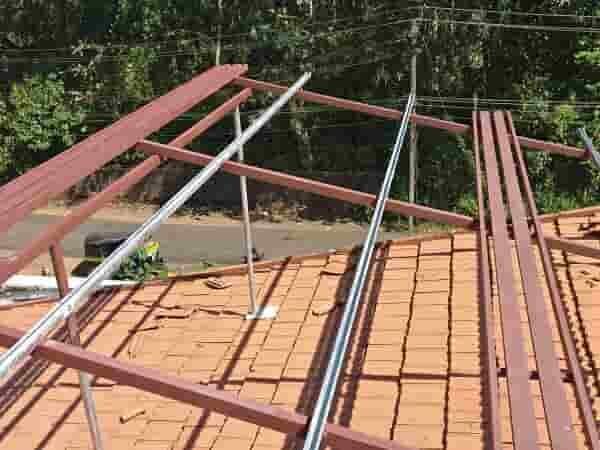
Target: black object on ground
x,y
100,245
256,256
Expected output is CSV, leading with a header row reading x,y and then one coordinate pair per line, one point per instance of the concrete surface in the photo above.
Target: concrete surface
x,y
194,243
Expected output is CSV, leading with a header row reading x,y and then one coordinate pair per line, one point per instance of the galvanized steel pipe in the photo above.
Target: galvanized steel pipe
x,y
318,420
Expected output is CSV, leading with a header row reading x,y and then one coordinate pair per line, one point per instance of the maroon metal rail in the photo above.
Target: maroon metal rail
x,y
488,330
19,197
581,394
558,416
571,246
580,212
175,388
305,185
524,428
388,113
60,270
200,127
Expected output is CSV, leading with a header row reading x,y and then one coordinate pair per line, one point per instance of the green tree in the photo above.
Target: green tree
x,y
40,119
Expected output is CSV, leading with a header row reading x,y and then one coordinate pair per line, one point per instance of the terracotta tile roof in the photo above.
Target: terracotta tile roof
x,y
413,373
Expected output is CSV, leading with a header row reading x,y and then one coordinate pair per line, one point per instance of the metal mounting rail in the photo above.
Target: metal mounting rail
x,y
318,420
589,147
77,297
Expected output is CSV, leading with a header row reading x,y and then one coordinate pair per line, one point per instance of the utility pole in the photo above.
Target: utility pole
x,y
412,165
219,32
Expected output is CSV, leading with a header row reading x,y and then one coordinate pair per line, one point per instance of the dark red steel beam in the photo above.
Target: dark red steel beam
x,y
581,212
558,417
57,256
174,388
77,150
56,232
25,303
314,187
553,147
581,394
34,189
523,422
570,246
485,292
388,113
212,118
377,111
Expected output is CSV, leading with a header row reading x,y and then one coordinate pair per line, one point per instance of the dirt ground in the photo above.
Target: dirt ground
x,y
134,212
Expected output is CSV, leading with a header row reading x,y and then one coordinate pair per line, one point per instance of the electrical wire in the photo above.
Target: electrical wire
x,y
69,60
503,12
545,28
548,28
428,106
115,45
423,101
225,45
205,37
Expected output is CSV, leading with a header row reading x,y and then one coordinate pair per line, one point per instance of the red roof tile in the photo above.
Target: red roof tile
x,y
413,373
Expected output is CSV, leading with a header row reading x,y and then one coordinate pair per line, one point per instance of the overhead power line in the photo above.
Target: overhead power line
x,y
549,28
190,117
511,100
455,102
211,135
183,52
503,12
205,37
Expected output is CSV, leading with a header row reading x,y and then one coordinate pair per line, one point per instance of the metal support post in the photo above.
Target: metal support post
x,y
254,311
62,280
77,297
412,165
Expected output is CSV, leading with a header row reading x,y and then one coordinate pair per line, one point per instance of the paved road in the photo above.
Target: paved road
x,y
190,244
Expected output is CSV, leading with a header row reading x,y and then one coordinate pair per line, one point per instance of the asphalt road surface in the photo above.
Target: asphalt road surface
x,y
194,243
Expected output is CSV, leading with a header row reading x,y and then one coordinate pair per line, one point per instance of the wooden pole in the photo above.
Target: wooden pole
x,y
412,176
219,32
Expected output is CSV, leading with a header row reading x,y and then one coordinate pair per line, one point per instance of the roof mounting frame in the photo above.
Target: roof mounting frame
x,y
22,195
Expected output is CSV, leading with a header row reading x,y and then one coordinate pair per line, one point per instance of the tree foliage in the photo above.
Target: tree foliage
x,y
40,119
122,53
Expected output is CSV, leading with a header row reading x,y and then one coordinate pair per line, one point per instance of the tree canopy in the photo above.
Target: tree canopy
x,y
70,67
